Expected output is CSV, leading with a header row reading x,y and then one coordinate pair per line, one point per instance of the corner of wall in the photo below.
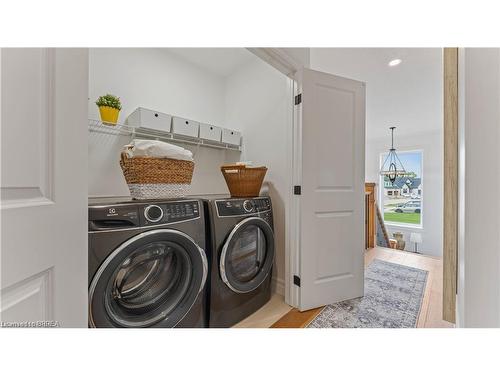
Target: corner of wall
x,y
278,286
302,56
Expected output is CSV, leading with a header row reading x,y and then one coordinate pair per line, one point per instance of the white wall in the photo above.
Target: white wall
x,y
478,299
408,96
258,98
156,79
255,99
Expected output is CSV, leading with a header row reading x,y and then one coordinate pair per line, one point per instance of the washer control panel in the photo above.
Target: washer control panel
x,y
171,212
137,214
240,207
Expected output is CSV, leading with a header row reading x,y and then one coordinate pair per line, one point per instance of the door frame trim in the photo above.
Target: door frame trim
x,y
291,68
450,197
279,59
293,225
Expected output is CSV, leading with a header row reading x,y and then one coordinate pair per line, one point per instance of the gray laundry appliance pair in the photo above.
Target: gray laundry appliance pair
x,y
200,262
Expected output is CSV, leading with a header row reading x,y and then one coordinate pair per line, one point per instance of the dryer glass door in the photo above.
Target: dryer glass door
x,y
247,256
152,279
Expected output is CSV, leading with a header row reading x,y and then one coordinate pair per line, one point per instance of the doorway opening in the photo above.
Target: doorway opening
x,y
408,95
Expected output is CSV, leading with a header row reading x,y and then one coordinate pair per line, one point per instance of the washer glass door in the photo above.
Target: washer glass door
x,y
248,255
152,279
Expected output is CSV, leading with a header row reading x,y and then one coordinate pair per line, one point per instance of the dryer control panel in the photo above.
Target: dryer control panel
x,y
241,207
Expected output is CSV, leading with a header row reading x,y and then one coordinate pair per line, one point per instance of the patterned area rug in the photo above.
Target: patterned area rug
x,y
393,297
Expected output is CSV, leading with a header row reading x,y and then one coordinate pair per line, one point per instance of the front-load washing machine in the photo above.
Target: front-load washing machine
x,y
147,264
242,248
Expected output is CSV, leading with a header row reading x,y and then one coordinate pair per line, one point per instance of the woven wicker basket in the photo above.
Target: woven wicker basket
x,y
243,181
151,178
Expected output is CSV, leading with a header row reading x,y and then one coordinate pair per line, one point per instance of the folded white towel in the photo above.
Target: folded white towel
x,y
245,163
157,149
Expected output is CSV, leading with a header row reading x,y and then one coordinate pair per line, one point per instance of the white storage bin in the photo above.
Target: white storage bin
x,y
231,136
210,132
146,118
184,126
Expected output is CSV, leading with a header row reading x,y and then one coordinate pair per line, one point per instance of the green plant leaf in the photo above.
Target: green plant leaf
x,y
109,100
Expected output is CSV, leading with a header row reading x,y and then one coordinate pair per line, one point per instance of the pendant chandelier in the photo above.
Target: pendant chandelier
x,y
392,167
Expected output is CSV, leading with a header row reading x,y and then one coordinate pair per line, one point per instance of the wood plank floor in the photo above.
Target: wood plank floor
x,y
431,311
267,314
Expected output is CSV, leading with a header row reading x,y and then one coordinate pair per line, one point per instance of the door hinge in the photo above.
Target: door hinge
x,y
297,190
298,99
296,280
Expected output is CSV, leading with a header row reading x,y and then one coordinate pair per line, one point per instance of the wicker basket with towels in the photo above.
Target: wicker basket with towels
x,y
155,169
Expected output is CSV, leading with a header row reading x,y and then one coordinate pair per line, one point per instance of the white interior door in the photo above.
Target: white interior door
x,y
43,186
332,198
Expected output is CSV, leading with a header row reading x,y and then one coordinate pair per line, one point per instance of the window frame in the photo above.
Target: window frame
x,y
381,191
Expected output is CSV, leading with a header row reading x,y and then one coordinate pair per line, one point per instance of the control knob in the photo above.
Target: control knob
x,y
248,206
153,213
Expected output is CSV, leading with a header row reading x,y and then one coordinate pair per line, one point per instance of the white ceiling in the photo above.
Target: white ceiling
x,y
364,63
220,61
409,95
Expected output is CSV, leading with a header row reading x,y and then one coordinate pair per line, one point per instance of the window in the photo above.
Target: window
x,y
402,201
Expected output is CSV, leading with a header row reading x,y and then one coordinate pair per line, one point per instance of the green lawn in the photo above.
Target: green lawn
x,y
406,218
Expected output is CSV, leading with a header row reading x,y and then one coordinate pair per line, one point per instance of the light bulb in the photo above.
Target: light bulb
x,y
395,62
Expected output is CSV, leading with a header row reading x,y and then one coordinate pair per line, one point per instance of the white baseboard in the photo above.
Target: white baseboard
x,y
278,286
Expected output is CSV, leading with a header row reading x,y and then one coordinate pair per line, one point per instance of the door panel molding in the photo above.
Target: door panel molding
x,y
15,192
35,291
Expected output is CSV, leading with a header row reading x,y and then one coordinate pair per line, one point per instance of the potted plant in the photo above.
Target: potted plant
x,y
109,107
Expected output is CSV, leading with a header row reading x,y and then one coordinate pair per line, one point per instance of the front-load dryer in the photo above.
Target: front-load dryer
x,y
147,264
243,250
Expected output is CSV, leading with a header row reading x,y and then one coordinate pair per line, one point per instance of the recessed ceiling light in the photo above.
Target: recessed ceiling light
x,y
395,62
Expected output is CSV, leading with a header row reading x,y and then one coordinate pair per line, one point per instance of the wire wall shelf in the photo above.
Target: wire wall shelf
x,y
97,126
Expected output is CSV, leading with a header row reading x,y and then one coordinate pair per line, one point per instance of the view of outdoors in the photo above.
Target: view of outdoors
x,y
402,200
